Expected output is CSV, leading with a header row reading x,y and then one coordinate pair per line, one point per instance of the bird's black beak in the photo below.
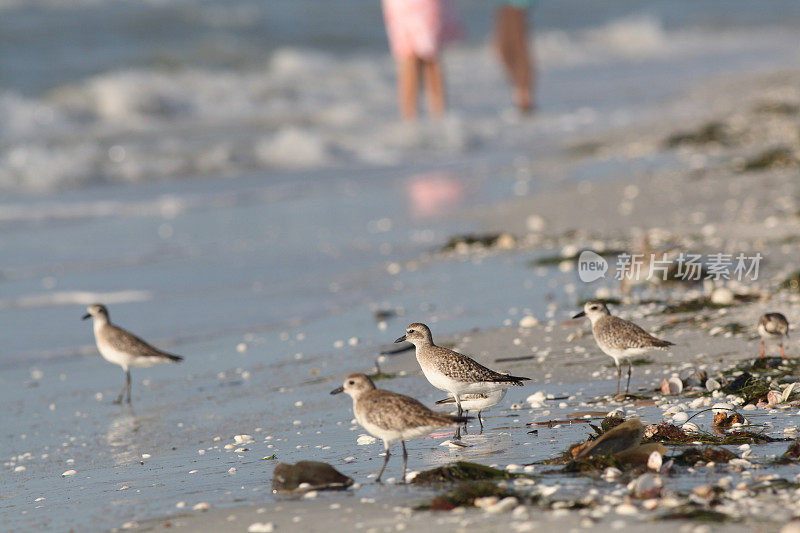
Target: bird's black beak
x,y
87,315
582,313
337,390
401,339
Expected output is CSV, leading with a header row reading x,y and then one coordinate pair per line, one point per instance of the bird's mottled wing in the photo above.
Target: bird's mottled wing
x,y
776,324
461,368
396,412
125,341
623,335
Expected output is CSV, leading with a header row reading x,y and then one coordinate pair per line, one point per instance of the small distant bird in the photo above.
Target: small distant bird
x,y
123,348
773,326
453,372
477,402
390,416
619,338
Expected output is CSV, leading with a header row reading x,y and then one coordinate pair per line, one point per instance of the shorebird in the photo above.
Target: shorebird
x,y
773,326
619,338
454,372
390,416
123,348
477,402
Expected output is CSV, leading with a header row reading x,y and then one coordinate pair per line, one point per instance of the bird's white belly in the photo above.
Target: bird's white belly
x,y
619,355
115,356
448,384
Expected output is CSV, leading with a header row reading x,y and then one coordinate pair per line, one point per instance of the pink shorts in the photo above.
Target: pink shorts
x,y
419,27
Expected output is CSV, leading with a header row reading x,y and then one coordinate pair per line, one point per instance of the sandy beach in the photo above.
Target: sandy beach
x,y
703,200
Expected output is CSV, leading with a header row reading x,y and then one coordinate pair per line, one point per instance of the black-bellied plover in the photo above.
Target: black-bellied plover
x,y
773,326
391,416
618,337
454,372
123,348
477,402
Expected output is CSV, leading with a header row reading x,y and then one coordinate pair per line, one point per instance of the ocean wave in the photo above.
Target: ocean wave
x,y
302,109
59,298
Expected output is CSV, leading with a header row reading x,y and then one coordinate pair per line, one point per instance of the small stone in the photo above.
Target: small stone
x,y
261,527
69,473
366,439
202,506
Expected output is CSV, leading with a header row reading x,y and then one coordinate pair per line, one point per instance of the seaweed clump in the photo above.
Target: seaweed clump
x,y
777,157
462,471
708,454
465,495
711,132
750,388
470,240
694,512
791,455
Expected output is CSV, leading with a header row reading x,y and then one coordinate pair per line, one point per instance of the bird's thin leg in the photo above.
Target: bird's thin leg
x,y
480,421
628,385
460,412
124,388
385,462
619,374
128,384
466,413
762,348
405,461
783,355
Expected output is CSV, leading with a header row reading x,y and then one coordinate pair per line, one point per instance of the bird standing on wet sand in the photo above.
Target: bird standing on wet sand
x,y
453,372
773,326
619,338
123,348
391,416
477,402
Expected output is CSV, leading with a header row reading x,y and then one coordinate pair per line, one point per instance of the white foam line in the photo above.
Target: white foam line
x,y
76,298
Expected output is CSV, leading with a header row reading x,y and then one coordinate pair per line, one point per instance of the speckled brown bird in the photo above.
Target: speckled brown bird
x,y
773,326
454,372
123,348
618,337
391,416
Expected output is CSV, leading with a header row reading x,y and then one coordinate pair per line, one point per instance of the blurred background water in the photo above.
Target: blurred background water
x,y
119,91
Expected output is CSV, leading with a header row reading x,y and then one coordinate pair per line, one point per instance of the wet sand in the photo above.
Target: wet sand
x,y
697,195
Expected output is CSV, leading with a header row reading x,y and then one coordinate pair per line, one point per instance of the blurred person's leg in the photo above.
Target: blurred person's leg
x,y
511,39
434,87
408,86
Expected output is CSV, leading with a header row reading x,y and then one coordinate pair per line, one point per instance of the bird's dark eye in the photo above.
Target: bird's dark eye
x,y
351,382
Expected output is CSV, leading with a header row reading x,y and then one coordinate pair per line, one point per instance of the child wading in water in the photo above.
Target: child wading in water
x,y
511,38
417,29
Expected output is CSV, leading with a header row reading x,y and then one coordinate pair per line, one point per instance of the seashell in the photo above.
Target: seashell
x,y
646,486
788,391
722,296
774,397
724,407
655,461
680,418
690,428
611,473
712,385
672,385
